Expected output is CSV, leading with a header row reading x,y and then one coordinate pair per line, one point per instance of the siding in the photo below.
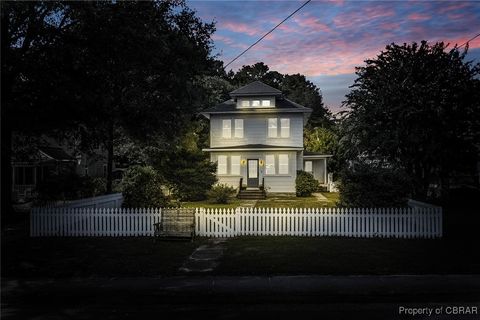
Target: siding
x,y
274,183
319,170
255,130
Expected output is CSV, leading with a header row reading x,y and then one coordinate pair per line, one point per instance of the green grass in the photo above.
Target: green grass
x,y
273,201
344,256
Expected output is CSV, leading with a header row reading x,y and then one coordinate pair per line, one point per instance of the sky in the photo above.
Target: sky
x,y
326,39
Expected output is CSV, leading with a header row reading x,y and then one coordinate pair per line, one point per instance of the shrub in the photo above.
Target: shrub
x,y
141,187
64,184
220,193
93,186
373,186
305,184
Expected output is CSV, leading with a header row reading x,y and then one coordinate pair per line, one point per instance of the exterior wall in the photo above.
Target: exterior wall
x,y
273,183
255,129
319,169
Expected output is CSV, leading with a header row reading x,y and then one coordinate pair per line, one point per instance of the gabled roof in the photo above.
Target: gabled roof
x,y
256,88
231,106
56,153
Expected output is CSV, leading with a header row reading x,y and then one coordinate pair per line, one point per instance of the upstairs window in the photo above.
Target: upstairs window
x,y
265,103
238,128
222,165
245,103
255,103
283,163
270,164
272,127
227,128
284,128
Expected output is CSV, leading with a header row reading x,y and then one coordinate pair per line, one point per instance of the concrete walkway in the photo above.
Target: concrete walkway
x,y
320,197
204,258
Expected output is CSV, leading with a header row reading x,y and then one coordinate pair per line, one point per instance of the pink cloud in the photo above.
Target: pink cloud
x,y
240,28
418,17
229,41
452,7
313,24
364,16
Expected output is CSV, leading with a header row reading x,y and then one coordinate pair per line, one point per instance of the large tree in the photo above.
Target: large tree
x,y
416,107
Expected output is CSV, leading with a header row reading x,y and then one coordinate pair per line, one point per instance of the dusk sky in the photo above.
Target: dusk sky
x,y
327,39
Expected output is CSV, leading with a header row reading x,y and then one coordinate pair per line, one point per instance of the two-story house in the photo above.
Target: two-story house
x,y
257,137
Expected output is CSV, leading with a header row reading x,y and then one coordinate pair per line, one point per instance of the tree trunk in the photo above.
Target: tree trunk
x,y
109,157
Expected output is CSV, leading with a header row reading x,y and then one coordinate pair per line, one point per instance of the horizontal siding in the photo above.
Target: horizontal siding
x,y
255,130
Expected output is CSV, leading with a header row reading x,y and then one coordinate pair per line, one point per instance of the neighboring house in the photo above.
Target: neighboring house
x,y
29,170
257,137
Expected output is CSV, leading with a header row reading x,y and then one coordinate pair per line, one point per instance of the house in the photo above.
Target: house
x,y
256,139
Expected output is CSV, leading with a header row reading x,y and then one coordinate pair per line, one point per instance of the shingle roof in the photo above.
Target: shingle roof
x,y
256,88
230,105
57,153
254,146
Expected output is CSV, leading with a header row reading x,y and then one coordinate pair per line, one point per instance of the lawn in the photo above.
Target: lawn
x,y
273,201
344,256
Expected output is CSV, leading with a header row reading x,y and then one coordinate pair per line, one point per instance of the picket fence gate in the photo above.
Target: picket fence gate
x,y
415,222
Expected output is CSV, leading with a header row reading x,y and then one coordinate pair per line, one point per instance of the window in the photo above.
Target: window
x,y
256,103
222,165
308,166
283,163
227,128
245,103
238,128
265,103
272,127
284,128
270,164
235,165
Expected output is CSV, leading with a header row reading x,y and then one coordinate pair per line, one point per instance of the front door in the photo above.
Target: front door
x,y
252,173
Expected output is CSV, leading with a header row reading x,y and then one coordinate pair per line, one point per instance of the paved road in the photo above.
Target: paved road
x,y
215,297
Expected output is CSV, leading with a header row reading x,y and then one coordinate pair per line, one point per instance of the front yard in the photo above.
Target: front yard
x,y
324,199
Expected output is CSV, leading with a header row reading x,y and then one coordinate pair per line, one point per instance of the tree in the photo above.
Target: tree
x,y
416,107
140,60
323,140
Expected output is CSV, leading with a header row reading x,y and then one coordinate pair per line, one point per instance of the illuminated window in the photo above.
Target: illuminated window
x,y
227,128
272,127
283,163
265,103
284,128
270,164
256,103
235,165
308,166
238,128
222,165
245,103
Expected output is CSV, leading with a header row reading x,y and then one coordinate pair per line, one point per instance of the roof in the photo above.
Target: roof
x,y
256,88
315,155
283,105
56,153
253,147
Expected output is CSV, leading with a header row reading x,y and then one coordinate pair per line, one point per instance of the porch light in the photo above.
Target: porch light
x,y
243,162
261,163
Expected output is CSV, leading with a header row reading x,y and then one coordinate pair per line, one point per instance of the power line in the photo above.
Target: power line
x,y
266,34
469,40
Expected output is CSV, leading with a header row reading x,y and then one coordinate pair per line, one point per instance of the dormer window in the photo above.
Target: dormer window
x,y
265,103
245,103
255,103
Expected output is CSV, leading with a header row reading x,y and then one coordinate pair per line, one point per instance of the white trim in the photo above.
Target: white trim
x,y
253,149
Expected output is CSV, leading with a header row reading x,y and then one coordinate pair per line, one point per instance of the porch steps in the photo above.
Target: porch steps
x,y
256,194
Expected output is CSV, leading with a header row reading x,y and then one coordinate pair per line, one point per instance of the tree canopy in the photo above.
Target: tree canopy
x,y
415,107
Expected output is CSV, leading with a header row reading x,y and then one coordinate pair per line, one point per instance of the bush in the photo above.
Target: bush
x,y
93,186
373,186
64,184
220,193
305,184
141,187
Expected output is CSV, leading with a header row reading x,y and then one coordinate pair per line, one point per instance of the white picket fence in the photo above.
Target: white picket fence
x,y
343,222
415,222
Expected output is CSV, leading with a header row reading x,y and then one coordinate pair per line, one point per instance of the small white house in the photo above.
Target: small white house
x,y
256,138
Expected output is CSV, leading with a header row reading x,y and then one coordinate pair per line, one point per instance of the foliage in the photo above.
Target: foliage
x,y
221,193
305,184
415,107
141,187
367,185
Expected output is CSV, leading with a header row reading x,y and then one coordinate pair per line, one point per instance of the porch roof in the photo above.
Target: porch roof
x,y
254,147
315,155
